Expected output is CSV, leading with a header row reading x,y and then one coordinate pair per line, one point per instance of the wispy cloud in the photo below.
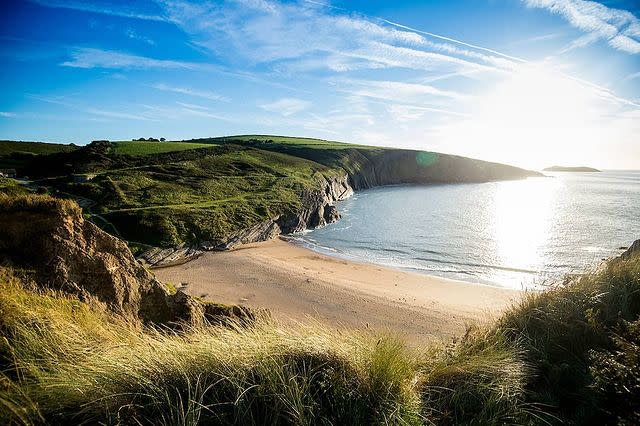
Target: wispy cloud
x,y
120,115
303,36
632,76
134,35
8,114
408,113
286,106
192,106
396,91
206,94
109,59
620,28
86,6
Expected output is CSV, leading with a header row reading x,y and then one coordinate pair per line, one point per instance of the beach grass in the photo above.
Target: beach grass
x,y
568,354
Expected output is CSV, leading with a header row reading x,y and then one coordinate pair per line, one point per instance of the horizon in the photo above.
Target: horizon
x,y
531,83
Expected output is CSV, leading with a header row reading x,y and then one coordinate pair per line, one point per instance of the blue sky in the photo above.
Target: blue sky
x,y
528,82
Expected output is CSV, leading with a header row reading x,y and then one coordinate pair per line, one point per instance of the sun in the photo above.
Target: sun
x,y
534,118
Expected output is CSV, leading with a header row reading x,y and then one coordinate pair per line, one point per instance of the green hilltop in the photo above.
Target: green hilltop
x,y
168,193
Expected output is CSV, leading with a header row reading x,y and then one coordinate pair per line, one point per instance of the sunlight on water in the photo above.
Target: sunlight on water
x,y
522,222
524,233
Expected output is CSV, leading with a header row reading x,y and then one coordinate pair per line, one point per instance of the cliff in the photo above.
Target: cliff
x,y
70,254
358,169
234,190
317,209
394,167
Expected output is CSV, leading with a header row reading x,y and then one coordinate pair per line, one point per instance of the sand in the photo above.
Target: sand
x,y
300,285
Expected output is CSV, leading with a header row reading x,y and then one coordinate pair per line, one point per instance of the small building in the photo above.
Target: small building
x,y
8,173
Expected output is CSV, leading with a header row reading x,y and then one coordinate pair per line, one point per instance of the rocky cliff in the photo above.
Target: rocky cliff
x,y
73,255
359,169
631,251
317,209
372,168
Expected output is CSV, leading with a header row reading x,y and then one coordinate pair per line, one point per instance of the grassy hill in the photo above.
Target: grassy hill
x,y
148,148
208,190
38,148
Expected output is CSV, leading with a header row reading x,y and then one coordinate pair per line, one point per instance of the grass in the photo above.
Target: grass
x,y
72,363
139,148
168,193
168,201
569,354
33,148
12,187
266,140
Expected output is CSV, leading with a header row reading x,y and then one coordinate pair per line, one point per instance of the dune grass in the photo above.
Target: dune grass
x,y
567,355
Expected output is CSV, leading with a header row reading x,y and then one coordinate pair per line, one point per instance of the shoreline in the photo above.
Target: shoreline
x,y
328,252
298,284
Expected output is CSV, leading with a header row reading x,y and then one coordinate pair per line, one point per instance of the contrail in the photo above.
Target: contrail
x,y
473,46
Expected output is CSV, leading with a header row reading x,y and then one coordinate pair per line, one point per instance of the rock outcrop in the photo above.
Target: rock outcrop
x,y
317,209
73,255
318,206
634,249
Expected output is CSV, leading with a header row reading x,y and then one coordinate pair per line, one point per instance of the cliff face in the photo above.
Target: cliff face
x,y
362,169
631,251
73,255
394,167
317,209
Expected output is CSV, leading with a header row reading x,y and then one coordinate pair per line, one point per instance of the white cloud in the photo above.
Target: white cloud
x,y
8,114
620,28
121,115
396,91
206,94
98,58
302,36
408,113
87,7
286,106
632,76
192,106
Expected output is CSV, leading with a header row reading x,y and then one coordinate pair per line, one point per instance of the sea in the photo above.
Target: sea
x,y
525,234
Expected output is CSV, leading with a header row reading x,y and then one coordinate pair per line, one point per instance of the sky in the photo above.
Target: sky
x,y
526,82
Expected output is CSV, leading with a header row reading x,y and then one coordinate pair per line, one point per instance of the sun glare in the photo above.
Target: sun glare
x,y
521,224
531,119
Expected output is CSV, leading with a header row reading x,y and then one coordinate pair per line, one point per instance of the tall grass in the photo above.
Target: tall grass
x,y
570,355
76,363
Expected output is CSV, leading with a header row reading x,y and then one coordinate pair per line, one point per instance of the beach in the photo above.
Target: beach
x,y
299,285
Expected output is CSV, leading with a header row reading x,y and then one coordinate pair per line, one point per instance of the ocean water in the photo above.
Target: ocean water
x,y
522,234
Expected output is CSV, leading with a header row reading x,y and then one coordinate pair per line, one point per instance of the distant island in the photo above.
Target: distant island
x,y
570,169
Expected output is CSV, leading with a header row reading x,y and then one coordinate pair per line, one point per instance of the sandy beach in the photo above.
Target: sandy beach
x,y
297,284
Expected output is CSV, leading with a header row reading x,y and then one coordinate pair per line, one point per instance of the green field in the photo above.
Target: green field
x,y
148,148
39,148
180,196
265,140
